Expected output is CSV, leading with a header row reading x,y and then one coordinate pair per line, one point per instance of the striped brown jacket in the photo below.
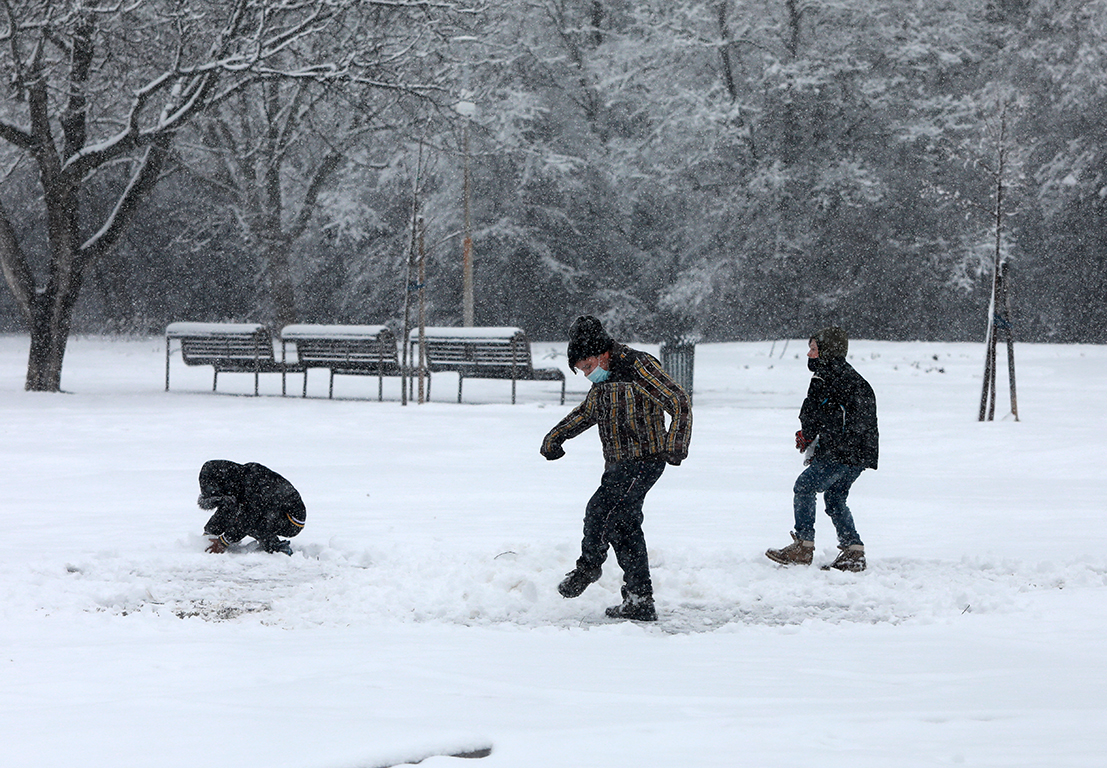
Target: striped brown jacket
x,y
629,410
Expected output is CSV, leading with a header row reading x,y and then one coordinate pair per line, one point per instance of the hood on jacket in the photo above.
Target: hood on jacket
x,y
832,342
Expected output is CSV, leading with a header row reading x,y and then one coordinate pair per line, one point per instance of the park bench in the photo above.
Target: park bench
x,y
228,348
345,350
482,353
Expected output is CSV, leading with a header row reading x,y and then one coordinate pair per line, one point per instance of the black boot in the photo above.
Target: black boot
x,y
577,580
633,607
275,545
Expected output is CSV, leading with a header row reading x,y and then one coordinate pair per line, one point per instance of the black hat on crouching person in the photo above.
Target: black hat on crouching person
x,y
832,342
587,338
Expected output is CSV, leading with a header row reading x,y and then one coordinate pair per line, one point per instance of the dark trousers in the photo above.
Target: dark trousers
x,y
614,517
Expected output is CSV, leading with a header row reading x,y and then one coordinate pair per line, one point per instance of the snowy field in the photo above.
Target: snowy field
x,y
419,614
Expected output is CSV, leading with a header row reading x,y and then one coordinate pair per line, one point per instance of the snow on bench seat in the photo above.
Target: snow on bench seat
x,y
227,348
488,352
353,350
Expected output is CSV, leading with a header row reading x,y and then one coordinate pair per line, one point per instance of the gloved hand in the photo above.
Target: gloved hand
x,y
674,458
552,452
802,443
217,546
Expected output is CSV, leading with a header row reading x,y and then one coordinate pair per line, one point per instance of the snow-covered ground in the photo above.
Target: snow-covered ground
x,y
419,613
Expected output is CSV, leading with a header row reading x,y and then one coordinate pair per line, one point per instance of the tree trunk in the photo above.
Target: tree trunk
x,y
49,316
44,363
279,283
48,311
792,39
724,51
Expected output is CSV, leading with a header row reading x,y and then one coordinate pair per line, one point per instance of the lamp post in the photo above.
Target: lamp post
x,y
466,108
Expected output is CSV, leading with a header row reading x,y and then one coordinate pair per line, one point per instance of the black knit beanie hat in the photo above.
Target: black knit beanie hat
x,y
832,342
586,339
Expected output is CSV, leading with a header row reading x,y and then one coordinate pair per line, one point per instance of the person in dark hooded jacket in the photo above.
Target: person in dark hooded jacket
x,y
249,500
838,431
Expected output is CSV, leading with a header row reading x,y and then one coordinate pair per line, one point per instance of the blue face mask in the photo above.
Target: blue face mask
x,y
598,375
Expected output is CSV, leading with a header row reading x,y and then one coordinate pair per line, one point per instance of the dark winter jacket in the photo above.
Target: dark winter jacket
x,y
250,500
629,410
840,410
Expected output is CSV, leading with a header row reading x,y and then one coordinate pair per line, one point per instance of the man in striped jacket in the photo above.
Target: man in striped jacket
x,y
629,399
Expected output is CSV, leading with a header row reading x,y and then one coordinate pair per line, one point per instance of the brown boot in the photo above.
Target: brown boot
x,y
851,558
799,552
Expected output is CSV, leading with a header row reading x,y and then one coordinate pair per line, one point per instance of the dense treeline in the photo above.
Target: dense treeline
x,y
727,169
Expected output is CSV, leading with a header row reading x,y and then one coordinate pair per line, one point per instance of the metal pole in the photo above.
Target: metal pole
x,y
405,380
404,367
1010,341
467,244
422,305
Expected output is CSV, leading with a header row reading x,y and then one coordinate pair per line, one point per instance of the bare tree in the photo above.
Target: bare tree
x,y
273,149
101,87
271,167
999,172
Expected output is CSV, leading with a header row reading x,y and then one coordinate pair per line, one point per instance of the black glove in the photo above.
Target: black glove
x,y
674,458
552,452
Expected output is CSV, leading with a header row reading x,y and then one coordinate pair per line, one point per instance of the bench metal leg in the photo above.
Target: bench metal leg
x,y
215,380
284,365
305,384
513,391
330,391
460,378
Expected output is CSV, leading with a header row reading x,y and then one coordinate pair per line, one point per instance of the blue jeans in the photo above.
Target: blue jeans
x,y
833,480
613,518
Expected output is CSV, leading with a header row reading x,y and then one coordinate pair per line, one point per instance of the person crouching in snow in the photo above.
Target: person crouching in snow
x,y
249,500
837,419
629,398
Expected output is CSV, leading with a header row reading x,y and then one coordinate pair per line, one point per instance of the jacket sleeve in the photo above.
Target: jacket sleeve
x,y
810,423
661,387
227,522
579,420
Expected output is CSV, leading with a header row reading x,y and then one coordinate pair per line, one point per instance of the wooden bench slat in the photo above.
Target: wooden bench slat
x,y
227,348
353,350
489,353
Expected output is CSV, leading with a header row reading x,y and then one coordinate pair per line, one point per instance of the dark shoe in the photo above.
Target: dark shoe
x,y
799,552
634,608
276,545
851,558
577,580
